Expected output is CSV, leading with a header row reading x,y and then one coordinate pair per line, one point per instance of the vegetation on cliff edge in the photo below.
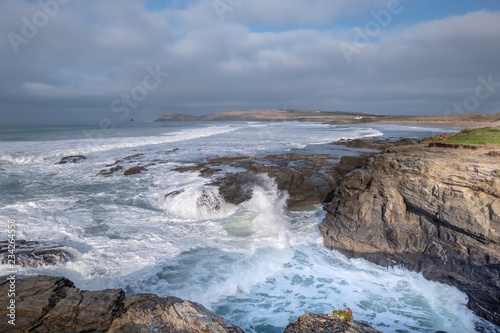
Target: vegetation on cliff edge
x,y
471,137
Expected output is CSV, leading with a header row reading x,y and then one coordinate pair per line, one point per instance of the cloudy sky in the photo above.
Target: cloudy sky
x,y
64,60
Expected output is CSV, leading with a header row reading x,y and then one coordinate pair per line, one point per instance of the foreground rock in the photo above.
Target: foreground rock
x,y
53,304
433,210
34,254
313,323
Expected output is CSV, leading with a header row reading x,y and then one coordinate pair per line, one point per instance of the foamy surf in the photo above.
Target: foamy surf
x,y
257,264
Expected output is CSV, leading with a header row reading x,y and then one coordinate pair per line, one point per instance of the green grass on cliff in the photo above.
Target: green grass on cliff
x,y
474,137
455,117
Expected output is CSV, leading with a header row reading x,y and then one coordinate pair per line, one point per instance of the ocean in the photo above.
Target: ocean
x,y
259,264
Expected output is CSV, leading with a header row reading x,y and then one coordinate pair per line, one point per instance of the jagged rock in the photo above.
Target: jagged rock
x,y
34,254
313,323
53,304
149,313
72,159
432,210
308,179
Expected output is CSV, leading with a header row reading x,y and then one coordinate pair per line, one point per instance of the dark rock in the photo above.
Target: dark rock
x,y
34,254
53,304
313,323
432,210
173,193
308,179
374,143
72,159
134,170
109,172
149,313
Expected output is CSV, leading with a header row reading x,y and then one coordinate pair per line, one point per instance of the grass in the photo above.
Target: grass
x,y
345,313
472,137
455,117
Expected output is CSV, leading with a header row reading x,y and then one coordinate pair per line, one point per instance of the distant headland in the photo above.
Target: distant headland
x,y
341,117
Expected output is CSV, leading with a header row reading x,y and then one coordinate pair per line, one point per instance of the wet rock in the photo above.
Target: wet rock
x,y
53,304
111,171
308,179
72,159
149,313
432,210
313,323
173,194
134,170
374,143
34,254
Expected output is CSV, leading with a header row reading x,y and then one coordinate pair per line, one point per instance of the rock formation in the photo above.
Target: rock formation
x,y
313,323
432,210
53,304
72,159
33,254
295,173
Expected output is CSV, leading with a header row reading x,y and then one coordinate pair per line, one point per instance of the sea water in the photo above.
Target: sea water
x,y
259,264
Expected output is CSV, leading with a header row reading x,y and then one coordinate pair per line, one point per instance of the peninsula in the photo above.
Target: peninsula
x,y
470,120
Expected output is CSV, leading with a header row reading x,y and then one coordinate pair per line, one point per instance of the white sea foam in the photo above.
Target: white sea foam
x,y
257,264
197,202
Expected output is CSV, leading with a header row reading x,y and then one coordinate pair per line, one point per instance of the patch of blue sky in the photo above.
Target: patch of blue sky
x,y
158,5
412,12
417,11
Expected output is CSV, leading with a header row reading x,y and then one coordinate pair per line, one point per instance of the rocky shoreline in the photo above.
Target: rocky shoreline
x,y
54,304
430,209
433,210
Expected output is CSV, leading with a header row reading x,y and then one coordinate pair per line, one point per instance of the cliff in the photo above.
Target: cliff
x,y
432,210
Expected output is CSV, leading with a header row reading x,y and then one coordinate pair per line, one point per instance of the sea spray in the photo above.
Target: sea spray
x,y
235,259
257,247
197,201
269,221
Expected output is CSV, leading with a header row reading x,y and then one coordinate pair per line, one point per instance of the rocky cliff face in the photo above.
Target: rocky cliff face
x,y
53,304
433,210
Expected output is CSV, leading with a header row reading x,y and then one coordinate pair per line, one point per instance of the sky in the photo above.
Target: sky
x,y
85,61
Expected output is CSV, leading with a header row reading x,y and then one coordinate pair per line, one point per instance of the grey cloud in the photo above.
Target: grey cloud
x,y
92,52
